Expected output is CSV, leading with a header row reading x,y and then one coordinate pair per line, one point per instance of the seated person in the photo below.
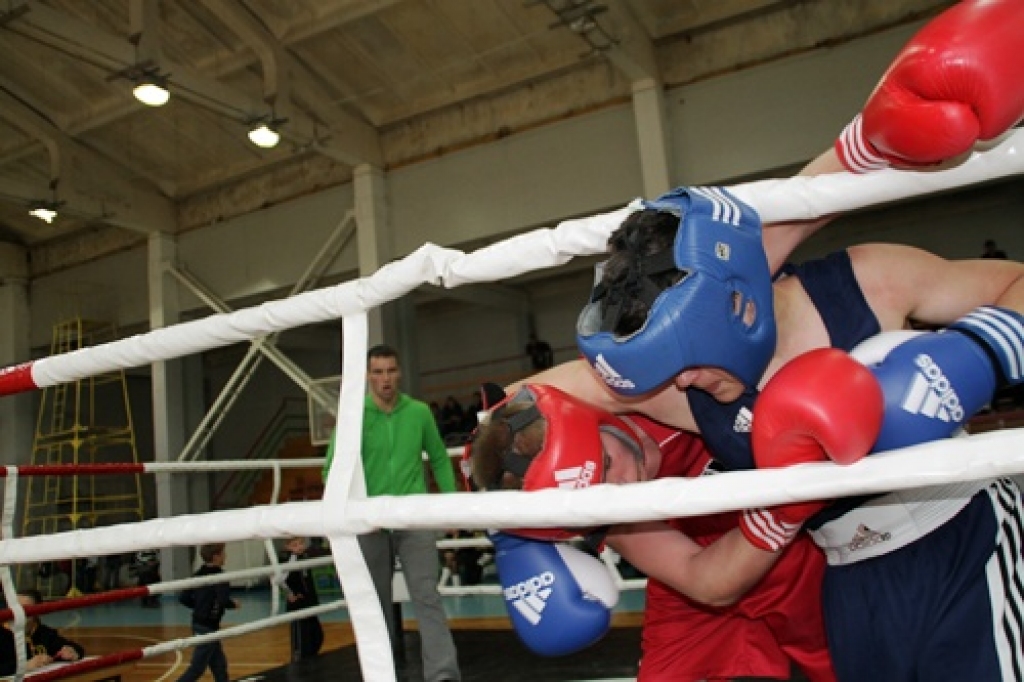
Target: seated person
x,y
43,644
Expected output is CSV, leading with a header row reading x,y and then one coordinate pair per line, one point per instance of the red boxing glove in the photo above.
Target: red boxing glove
x,y
820,405
959,80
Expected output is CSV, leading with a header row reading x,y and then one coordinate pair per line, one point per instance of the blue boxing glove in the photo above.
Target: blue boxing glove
x,y
934,382
559,598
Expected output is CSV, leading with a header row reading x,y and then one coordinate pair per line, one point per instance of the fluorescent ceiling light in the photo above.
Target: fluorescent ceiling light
x,y
151,93
264,136
46,213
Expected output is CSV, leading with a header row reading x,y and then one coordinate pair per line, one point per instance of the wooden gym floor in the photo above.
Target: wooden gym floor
x,y
488,650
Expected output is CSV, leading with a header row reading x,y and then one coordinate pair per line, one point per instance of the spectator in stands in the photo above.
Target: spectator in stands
x,y
317,548
541,356
451,416
147,568
461,564
474,407
992,250
86,571
112,571
43,644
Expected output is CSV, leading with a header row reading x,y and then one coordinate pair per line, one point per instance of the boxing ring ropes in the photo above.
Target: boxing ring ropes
x,y
345,511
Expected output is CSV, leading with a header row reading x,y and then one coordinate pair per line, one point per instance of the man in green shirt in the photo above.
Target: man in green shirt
x,y
397,429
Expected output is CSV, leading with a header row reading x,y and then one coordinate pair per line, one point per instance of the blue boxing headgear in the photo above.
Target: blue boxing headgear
x,y
718,314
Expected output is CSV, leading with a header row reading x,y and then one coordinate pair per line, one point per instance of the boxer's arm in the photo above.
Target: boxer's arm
x,y
717,575
781,239
577,378
821,405
903,282
825,163
574,377
957,81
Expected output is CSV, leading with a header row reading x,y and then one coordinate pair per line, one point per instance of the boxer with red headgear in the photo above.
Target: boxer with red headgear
x,y
541,438
570,453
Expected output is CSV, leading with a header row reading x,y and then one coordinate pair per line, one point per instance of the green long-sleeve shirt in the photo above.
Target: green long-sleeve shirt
x,y
393,444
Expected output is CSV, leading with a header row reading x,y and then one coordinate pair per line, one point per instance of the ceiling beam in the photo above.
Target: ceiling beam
x,y
337,15
613,33
350,141
333,17
273,59
88,182
633,52
144,30
280,69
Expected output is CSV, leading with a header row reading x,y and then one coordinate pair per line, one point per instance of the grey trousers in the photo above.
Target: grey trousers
x,y
417,550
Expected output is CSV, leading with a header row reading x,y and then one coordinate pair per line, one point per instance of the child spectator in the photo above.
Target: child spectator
x,y
307,633
208,604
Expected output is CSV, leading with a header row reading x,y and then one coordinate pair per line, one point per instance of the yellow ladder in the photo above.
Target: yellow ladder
x,y
82,422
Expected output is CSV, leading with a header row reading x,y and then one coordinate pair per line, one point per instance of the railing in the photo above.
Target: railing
x,y
291,419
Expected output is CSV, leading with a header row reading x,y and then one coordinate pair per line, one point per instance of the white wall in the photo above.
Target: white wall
x,y
774,115
269,249
532,179
112,289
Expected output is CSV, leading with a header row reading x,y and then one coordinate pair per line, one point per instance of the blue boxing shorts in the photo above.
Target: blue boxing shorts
x,y
948,606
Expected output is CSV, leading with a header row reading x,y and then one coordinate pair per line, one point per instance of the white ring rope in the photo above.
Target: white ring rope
x,y
979,457
775,200
804,198
233,465
240,574
345,511
238,630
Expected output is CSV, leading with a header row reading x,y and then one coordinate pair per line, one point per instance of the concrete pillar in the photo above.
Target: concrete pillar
x,y
652,135
168,401
17,421
374,239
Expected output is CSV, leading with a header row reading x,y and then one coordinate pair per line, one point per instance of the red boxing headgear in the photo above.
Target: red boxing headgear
x,y
572,455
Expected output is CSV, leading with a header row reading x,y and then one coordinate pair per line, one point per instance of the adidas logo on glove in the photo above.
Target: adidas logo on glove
x,y
559,598
931,394
530,596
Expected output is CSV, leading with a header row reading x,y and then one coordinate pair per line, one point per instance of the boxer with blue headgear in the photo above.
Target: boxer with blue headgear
x,y
703,301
